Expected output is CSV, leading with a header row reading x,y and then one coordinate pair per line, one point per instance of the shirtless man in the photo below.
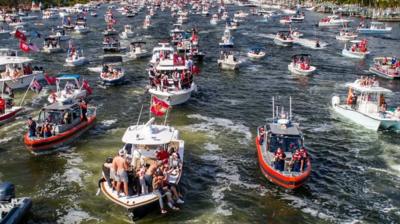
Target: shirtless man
x,y
148,176
121,175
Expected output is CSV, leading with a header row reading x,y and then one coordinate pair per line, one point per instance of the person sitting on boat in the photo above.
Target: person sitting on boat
x,y
161,192
83,105
279,159
304,158
261,136
32,127
47,129
169,186
296,161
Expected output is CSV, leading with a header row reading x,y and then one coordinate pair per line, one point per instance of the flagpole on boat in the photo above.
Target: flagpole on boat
x,y
26,92
166,116
273,108
140,114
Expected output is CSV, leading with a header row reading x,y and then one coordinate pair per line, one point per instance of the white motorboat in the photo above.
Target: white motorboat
x,y
52,45
75,57
112,72
283,38
346,35
228,61
214,19
142,143
375,28
136,50
50,14
227,39
18,72
80,26
147,22
111,44
357,50
386,67
301,65
285,20
332,21
256,53
60,34
366,106
164,50
69,87
127,33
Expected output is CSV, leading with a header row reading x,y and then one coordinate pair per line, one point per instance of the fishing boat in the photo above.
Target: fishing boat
x,y
374,28
282,137
113,72
144,140
111,44
256,53
18,71
346,35
228,61
69,87
127,33
214,19
80,26
61,34
58,125
357,50
52,45
163,50
366,106
283,38
137,50
386,67
285,20
332,21
75,57
227,39
301,65
12,209
50,14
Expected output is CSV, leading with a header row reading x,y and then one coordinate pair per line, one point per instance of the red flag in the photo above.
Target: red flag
x,y
49,79
20,35
158,107
24,46
86,86
36,86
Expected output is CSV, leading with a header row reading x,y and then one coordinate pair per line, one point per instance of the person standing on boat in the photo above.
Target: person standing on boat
x,y
32,127
279,159
296,161
304,158
121,176
83,105
261,136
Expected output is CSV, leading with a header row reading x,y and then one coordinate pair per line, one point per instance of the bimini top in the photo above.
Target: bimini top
x,y
6,60
69,76
367,89
149,134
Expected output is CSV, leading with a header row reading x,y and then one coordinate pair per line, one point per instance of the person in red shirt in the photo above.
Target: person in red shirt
x,y
279,159
162,154
304,158
296,161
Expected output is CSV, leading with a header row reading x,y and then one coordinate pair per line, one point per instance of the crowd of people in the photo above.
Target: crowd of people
x,y
131,173
298,162
178,80
17,71
110,72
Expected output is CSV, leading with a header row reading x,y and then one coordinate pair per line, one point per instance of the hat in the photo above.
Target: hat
x,y
121,152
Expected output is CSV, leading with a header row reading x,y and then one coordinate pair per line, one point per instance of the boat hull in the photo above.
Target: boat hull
x,y
176,97
358,118
17,214
350,54
297,71
22,81
78,62
7,117
384,74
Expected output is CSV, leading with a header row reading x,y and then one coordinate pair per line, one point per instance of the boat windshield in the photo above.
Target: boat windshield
x,y
285,142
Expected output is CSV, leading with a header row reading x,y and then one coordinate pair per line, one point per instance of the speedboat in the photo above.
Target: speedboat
x,y
52,45
142,143
256,53
113,72
366,106
59,124
278,144
297,18
283,38
60,33
75,57
80,26
214,19
111,44
163,51
69,87
332,21
300,65
346,35
8,110
50,14
136,50
357,50
375,28
228,61
12,209
386,67
127,33
285,20
147,22
227,39
18,72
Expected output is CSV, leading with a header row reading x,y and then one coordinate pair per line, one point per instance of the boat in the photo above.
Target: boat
x,y
147,22
163,50
285,20
283,38
227,39
240,14
145,140
386,67
8,110
80,26
357,50
93,13
68,87
228,61
294,33
18,71
110,30
127,33
60,33
52,45
332,21
50,14
113,72
346,35
171,78
36,7
301,65
136,50
214,19
231,25
282,136
64,122
366,106
256,53
375,28
12,209
297,18
111,44
75,57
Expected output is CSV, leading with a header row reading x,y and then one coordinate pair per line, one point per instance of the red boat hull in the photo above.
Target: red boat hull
x,y
4,118
288,182
49,145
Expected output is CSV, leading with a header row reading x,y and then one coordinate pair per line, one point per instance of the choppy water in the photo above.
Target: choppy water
x,y
355,174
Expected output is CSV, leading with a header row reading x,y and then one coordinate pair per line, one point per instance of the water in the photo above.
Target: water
x,y
356,172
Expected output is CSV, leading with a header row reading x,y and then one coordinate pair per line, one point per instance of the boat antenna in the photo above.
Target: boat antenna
x,y
166,116
273,108
290,108
140,114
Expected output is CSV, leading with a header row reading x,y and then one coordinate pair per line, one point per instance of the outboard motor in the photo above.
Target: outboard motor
x,y
7,192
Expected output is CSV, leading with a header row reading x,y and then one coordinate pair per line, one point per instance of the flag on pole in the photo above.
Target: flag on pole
x,y
49,79
35,86
158,107
86,86
20,35
24,46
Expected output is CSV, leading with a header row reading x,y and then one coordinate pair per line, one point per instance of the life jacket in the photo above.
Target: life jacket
x,y
2,104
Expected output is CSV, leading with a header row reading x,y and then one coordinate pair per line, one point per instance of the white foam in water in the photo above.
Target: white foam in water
x,y
108,123
76,216
212,147
212,123
6,139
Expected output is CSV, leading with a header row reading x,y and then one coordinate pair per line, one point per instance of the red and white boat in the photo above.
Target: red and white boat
x,y
64,122
282,134
7,112
386,67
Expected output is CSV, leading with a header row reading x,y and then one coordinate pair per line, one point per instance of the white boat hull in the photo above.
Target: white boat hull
x,y
356,117
374,31
351,54
22,81
174,97
78,62
52,50
299,71
256,56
